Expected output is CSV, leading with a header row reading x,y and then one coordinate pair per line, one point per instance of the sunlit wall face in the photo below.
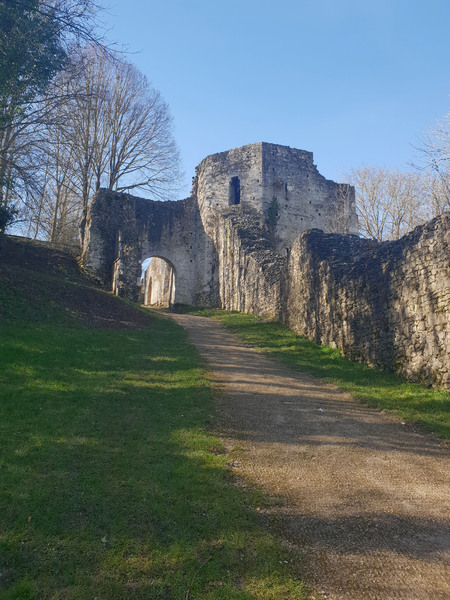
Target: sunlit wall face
x,y
158,282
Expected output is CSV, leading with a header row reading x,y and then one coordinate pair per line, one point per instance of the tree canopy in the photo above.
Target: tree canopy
x,y
31,51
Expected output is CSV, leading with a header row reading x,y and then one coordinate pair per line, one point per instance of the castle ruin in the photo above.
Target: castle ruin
x,y
263,231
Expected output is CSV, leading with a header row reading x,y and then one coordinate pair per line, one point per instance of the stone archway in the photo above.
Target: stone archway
x,y
122,231
158,283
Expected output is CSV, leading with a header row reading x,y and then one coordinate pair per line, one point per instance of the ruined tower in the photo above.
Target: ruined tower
x,y
280,184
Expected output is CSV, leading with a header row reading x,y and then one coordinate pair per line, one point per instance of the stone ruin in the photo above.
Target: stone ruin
x,y
278,187
264,232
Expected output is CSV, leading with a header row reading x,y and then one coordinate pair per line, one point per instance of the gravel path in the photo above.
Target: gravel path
x,y
363,498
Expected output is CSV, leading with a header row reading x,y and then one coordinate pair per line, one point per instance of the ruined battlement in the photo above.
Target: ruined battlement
x,y
278,185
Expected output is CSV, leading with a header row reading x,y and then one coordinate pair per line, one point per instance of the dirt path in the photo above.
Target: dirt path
x,y
364,499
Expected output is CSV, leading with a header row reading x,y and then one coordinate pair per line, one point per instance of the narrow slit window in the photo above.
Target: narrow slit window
x,y
234,191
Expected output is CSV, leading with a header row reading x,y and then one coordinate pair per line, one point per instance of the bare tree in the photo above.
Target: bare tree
x,y
341,215
435,146
17,156
436,192
120,129
403,198
142,152
83,126
54,211
111,130
371,202
389,202
434,151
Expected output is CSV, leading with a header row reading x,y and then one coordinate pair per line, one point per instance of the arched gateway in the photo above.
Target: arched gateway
x,y
158,283
123,231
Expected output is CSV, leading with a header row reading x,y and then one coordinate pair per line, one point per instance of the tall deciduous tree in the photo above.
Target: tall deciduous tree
x,y
370,200
119,128
437,192
389,202
434,150
113,130
435,146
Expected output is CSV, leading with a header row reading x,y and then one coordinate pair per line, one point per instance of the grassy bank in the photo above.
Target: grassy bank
x,y
111,486
411,402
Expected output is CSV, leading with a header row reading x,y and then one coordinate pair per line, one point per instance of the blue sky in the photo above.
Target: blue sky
x,y
350,80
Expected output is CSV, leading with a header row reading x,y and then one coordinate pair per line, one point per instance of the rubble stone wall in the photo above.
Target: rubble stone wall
x,y
386,304
124,230
280,184
250,271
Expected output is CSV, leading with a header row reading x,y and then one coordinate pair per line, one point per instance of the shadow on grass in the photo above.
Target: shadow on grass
x,y
111,487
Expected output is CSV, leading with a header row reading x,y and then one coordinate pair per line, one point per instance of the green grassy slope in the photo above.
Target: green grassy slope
x,y
110,485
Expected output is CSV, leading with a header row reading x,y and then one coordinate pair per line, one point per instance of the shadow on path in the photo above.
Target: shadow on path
x,y
363,497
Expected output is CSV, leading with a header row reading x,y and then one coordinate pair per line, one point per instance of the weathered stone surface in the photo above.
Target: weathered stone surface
x,y
158,284
122,231
256,236
281,185
387,304
250,271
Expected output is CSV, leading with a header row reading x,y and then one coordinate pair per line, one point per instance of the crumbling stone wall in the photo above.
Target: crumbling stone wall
x,y
279,184
387,304
122,231
250,271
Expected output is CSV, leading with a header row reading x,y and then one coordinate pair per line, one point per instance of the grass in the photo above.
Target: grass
x,y
428,408
111,486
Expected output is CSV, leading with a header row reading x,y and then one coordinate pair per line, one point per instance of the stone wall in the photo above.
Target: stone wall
x,y
250,271
386,304
123,231
302,197
213,178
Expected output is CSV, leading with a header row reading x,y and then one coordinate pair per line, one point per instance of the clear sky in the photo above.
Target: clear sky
x,y
353,81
